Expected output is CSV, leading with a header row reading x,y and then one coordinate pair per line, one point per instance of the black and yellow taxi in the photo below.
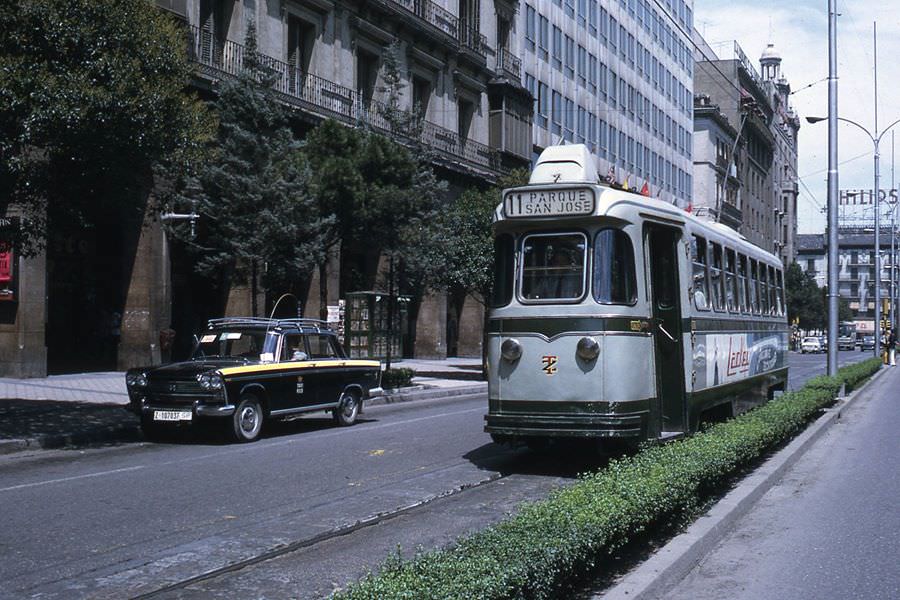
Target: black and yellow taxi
x,y
246,371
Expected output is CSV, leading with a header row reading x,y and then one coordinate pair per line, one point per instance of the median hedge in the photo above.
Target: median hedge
x,y
546,544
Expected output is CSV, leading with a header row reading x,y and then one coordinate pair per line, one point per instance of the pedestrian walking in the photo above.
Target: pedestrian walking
x,y
892,345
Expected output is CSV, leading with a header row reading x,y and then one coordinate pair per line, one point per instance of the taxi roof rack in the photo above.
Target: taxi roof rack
x,y
316,324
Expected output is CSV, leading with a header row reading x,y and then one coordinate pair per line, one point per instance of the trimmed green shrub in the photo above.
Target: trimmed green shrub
x,y
397,377
535,553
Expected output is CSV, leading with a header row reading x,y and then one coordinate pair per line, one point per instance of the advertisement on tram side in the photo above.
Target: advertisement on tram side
x,y
730,357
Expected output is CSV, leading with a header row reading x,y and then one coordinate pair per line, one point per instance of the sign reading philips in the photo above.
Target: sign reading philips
x,y
866,197
549,203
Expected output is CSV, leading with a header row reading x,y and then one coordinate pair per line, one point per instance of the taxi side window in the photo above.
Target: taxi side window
x,y
293,348
320,346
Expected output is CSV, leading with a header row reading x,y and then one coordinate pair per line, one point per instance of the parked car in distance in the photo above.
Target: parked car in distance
x,y
246,371
867,343
823,340
811,344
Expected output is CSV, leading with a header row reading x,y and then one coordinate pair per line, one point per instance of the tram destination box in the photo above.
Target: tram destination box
x,y
549,202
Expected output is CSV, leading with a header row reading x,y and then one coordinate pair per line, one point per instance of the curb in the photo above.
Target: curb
x,y
671,563
132,433
425,393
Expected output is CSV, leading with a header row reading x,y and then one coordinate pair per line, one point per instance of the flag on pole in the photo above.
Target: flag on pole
x,y
611,174
625,185
645,191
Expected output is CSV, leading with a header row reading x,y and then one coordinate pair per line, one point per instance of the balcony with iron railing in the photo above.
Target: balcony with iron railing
x,y
217,58
509,64
474,41
429,13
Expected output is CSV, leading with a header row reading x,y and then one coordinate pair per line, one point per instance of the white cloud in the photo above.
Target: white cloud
x,y
800,34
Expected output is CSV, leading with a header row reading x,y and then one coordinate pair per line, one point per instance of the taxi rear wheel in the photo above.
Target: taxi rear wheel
x,y
347,410
247,420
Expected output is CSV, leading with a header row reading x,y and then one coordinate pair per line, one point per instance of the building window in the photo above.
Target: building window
x,y
543,102
556,116
530,27
570,57
543,37
465,116
582,65
421,96
557,47
366,75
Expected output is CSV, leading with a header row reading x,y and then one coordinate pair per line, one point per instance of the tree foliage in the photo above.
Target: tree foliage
x,y
805,300
460,257
92,99
256,210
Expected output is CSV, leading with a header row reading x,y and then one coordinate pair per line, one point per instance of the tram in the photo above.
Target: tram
x,y
618,316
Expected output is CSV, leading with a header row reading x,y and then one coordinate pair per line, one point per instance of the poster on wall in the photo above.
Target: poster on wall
x,y
8,271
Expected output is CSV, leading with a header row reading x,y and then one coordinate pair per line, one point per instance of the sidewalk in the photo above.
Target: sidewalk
x,y
89,408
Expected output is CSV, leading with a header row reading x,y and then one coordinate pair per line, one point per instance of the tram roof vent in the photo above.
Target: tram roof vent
x,y
572,163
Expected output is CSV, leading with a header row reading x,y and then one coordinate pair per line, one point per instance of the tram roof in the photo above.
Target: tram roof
x,y
613,202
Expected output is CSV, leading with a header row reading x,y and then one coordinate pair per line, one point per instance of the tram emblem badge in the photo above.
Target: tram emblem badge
x,y
549,364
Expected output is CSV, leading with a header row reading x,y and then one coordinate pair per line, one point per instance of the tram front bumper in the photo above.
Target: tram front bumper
x,y
572,425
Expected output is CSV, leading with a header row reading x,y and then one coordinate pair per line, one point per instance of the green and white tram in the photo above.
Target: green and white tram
x,y
615,315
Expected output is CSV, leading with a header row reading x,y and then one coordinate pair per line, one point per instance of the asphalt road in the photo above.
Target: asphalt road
x,y
830,529
133,520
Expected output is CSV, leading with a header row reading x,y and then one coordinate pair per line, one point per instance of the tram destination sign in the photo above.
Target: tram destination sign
x,y
549,202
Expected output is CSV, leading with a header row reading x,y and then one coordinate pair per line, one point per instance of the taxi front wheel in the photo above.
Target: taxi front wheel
x,y
247,419
346,411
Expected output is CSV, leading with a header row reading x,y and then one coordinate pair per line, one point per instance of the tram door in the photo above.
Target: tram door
x,y
662,260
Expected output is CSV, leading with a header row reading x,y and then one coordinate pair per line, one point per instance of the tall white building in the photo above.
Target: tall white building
x,y
617,76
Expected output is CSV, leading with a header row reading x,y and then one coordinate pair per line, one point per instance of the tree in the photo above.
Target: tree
x,y
255,205
805,300
92,99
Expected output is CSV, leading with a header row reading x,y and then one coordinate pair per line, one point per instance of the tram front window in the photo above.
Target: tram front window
x,y
614,278
553,267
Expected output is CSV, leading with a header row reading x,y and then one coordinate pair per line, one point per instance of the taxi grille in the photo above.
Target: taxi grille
x,y
169,387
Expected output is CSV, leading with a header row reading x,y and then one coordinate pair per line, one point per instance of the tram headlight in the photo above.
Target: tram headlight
x,y
511,350
588,348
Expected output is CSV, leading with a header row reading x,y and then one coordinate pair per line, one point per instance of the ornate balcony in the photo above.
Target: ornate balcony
x,y
509,64
472,40
430,13
216,59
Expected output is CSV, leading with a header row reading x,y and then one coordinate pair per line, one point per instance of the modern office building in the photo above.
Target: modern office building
x,y
617,76
745,146
117,280
857,264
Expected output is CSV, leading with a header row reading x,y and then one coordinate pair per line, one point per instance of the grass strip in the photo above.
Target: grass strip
x,y
537,552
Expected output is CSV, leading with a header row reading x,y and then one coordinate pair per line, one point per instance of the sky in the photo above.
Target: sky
x,y
799,30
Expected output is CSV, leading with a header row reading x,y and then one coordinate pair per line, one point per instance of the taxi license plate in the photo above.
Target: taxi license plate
x,y
172,415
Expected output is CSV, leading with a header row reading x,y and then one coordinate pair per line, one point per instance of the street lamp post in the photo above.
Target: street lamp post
x,y
876,140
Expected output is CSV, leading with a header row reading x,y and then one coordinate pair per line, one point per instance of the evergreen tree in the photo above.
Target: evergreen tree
x,y
92,99
256,211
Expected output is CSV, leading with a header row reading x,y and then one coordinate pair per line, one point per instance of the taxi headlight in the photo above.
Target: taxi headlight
x,y
588,348
511,350
215,382
210,381
136,380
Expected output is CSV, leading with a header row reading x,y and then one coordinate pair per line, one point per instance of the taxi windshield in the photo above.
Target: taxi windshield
x,y
235,343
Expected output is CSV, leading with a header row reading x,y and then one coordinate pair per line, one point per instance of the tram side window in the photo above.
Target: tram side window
x,y
698,259
614,276
504,270
773,305
553,267
743,289
731,294
715,278
763,290
754,287
779,291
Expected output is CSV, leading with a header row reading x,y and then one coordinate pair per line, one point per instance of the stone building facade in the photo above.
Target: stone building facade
x,y
459,66
745,142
